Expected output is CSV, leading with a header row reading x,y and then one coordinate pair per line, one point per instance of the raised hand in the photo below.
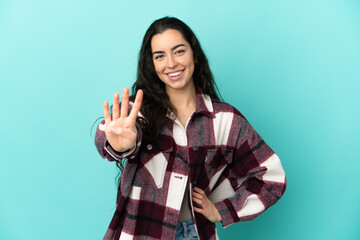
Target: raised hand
x,y
120,131
207,209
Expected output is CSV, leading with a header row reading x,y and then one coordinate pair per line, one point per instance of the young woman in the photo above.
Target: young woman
x,y
191,160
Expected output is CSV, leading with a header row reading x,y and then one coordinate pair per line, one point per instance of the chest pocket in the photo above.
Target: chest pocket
x,y
217,158
152,166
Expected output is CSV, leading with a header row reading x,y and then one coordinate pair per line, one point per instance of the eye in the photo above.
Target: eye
x,y
158,57
180,51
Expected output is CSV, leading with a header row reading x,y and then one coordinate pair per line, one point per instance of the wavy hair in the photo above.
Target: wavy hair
x,y
156,103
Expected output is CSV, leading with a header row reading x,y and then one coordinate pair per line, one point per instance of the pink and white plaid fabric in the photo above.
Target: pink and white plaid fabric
x,y
218,151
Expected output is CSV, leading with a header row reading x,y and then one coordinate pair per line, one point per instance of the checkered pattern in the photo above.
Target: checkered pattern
x,y
218,151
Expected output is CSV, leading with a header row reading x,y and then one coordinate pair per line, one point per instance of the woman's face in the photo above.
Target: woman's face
x,y
173,59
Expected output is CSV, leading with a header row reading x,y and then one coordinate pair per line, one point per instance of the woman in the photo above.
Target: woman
x,y
192,160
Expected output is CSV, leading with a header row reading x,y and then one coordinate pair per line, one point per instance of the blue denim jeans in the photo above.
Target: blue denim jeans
x,y
186,231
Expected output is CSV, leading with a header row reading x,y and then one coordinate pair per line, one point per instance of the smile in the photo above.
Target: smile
x,y
175,74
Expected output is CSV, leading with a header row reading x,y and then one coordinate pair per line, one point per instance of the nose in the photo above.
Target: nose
x,y
171,63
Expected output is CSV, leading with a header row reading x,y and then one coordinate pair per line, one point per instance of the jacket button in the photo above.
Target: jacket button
x,y
149,147
196,148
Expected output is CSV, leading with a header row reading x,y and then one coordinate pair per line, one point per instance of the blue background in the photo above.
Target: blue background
x,y
291,67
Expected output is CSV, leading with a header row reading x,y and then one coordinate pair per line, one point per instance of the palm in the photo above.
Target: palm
x,y
120,130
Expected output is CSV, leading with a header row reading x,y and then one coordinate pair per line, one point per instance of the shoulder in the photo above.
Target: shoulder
x,y
223,107
230,123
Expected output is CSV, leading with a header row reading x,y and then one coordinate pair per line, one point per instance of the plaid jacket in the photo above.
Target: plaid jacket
x,y
218,151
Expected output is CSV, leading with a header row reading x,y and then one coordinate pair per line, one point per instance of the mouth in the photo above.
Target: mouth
x,y
175,75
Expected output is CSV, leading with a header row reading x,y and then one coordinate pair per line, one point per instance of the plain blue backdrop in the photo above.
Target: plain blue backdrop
x,y
291,67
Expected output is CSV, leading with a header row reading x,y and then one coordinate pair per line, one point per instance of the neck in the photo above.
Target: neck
x,y
182,98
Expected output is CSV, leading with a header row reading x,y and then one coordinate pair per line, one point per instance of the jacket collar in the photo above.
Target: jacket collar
x,y
203,106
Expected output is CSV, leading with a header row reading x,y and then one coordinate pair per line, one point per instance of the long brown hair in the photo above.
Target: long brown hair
x,y
156,102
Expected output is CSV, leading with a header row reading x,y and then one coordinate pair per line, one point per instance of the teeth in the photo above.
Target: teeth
x,y
174,74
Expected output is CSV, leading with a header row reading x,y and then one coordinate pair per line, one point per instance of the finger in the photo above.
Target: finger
x,y
198,195
116,113
198,201
198,190
107,113
125,102
198,210
137,105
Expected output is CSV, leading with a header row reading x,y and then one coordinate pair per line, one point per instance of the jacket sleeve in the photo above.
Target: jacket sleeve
x,y
107,152
252,182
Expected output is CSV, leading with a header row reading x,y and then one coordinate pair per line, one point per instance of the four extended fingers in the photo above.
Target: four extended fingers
x,y
124,106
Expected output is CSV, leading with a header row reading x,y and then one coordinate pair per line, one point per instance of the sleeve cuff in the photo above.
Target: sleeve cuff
x,y
227,213
118,155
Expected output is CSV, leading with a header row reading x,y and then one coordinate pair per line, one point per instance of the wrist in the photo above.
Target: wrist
x,y
217,214
117,149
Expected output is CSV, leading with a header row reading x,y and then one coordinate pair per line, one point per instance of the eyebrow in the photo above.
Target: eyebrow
x,y
173,48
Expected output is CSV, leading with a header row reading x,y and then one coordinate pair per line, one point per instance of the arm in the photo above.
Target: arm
x,y
253,182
